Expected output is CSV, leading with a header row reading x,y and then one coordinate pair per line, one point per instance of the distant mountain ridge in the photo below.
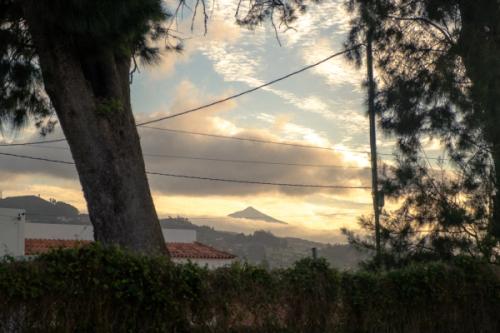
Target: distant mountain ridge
x,y
37,206
253,214
261,247
264,248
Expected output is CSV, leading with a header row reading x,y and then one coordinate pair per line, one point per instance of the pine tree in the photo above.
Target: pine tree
x,y
439,76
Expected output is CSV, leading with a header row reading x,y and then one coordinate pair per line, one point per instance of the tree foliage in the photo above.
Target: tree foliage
x,y
438,76
88,29
254,12
75,59
437,80
21,93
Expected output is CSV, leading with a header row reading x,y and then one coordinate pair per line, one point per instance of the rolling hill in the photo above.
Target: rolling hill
x,y
37,207
260,247
264,248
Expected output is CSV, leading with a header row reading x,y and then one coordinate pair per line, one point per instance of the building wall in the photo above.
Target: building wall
x,y
12,224
179,235
14,230
59,231
208,263
86,232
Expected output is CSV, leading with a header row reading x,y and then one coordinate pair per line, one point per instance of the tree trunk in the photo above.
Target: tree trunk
x,y
91,96
495,224
479,47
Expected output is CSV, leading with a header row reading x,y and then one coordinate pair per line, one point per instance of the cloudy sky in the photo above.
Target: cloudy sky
x,y
323,107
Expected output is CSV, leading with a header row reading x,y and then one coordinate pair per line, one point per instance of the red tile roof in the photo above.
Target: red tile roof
x,y
194,250
38,246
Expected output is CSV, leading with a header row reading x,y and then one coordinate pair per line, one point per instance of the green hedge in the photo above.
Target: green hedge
x,y
96,289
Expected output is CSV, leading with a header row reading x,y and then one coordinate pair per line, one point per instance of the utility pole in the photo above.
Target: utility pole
x,y
373,138
314,253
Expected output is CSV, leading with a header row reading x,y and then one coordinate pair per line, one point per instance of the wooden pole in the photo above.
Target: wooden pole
x,y
373,140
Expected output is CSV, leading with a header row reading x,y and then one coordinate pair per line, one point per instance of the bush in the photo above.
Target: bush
x,y
434,297
97,289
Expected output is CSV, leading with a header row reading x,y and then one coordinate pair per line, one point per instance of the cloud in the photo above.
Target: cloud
x,y
242,56
319,216
237,64
167,63
158,142
221,30
327,16
245,60
210,121
18,166
330,235
337,71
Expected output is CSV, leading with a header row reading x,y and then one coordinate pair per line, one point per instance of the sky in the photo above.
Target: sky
x,y
323,106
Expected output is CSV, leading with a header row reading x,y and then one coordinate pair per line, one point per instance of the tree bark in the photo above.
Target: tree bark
x,y
479,47
91,96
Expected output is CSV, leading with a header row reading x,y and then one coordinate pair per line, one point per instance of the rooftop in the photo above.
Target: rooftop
x,y
194,250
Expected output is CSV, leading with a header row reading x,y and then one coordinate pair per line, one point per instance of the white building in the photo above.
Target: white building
x,y
12,224
19,237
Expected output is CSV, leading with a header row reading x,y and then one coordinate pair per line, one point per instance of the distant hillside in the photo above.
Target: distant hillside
x,y
261,247
265,248
39,206
253,214
38,209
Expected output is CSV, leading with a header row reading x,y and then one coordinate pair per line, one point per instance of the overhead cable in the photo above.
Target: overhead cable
x,y
223,100
240,181
237,161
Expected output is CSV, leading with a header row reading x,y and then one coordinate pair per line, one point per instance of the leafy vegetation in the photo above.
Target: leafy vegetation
x,y
103,289
439,80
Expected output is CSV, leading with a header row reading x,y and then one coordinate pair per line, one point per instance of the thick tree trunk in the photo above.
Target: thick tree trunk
x,y
479,47
495,225
92,101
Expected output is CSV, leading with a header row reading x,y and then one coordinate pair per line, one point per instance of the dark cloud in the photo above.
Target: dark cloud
x,y
332,236
160,142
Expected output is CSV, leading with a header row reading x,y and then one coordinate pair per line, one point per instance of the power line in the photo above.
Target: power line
x,y
228,137
30,143
38,158
212,159
292,144
303,69
223,100
220,136
256,162
240,181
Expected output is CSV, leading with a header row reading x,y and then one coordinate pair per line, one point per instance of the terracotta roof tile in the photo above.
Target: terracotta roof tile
x,y
194,250
38,246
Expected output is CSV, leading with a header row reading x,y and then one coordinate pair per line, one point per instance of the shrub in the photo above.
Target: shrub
x,y
432,297
100,289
